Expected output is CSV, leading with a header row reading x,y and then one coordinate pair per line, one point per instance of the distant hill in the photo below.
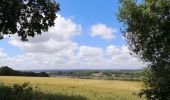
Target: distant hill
x,y
76,70
133,75
6,71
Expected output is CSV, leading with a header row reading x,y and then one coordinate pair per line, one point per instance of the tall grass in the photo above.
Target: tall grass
x,y
80,89
26,92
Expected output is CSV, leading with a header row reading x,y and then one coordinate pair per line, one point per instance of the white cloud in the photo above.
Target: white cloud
x,y
56,39
56,49
4,59
90,53
103,31
86,57
120,57
2,54
50,46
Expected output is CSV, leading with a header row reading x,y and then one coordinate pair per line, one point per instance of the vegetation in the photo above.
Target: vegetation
x,y
6,71
18,92
27,92
26,17
131,75
79,89
147,29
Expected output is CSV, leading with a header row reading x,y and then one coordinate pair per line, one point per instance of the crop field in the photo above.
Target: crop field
x,y
80,89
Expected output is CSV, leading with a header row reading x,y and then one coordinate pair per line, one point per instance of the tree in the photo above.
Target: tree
x,y
5,70
26,17
147,29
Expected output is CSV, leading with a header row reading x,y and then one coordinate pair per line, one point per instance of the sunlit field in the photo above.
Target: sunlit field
x,y
83,89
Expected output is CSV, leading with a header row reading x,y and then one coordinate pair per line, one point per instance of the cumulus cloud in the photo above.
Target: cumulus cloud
x,y
50,46
90,53
4,59
56,49
86,57
2,54
103,31
120,57
56,39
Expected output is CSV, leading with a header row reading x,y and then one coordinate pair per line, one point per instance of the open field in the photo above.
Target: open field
x,y
83,89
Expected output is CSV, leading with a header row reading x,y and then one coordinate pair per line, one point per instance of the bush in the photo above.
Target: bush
x,y
19,92
26,92
157,86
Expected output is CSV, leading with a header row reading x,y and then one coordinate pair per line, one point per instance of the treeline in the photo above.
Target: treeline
x,y
73,73
6,71
133,75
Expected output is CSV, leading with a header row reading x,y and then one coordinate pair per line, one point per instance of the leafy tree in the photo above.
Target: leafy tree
x,y
147,29
5,70
26,17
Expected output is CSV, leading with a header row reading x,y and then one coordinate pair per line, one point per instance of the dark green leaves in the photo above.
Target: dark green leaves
x,y
26,17
147,28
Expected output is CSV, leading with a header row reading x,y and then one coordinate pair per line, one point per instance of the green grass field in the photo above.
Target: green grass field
x,y
84,89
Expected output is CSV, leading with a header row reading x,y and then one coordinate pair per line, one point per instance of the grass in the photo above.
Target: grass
x,y
80,89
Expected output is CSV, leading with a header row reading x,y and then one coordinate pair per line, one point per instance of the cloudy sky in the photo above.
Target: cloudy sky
x,y
86,35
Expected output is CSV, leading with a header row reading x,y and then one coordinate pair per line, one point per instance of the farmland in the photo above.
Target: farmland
x,y
84,89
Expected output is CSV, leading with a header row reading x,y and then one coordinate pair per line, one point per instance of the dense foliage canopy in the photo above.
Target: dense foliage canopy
x,y
147,29
26,17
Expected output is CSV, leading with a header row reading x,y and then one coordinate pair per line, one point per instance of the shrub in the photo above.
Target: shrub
x,y
19,92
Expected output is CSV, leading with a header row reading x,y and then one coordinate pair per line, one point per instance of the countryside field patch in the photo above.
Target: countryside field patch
x,y
89,89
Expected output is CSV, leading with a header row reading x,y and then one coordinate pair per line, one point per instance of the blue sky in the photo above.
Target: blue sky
x,y
86,36
88,12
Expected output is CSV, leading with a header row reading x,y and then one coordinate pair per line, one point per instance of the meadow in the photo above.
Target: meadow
x,y
79,89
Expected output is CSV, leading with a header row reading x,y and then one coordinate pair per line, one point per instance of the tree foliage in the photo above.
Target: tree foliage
x,y
19,92
26,17
147,29
6,71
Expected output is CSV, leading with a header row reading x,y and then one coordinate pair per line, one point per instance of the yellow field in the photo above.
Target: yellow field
x,y
90,89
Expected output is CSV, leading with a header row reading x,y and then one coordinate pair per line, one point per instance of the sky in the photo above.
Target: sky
x,y
86,35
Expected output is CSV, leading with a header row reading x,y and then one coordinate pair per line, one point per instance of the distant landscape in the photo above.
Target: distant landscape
x,y
130,75
7,71
78,84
